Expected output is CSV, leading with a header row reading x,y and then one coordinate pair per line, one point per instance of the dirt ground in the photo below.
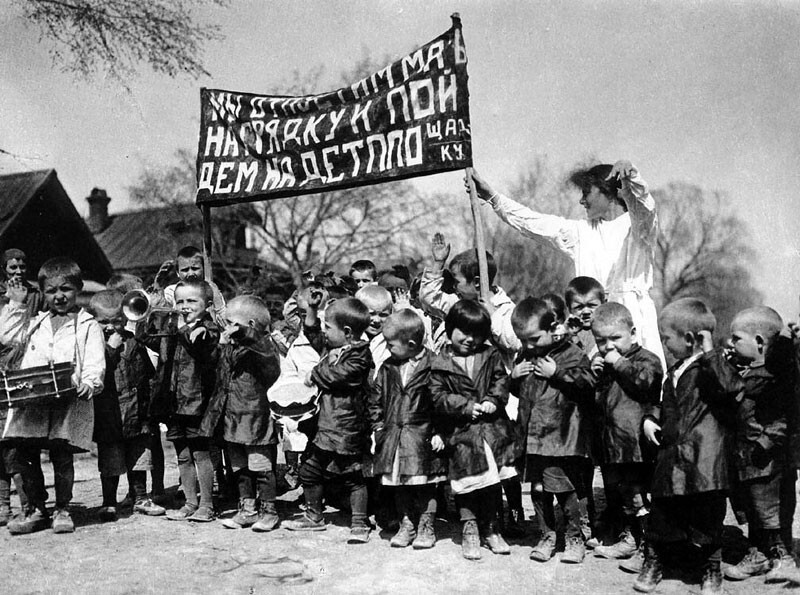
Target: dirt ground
x,y
140,554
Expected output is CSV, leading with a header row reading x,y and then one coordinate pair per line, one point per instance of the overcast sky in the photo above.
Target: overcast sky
x,y
707,93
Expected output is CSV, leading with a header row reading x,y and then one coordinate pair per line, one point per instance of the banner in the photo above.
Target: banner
x,y
409,119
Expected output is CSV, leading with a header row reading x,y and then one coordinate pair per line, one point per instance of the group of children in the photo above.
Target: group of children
x,y
422,390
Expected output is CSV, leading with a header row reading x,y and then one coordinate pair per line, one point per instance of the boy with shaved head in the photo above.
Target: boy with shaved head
x,y
239,410
766,478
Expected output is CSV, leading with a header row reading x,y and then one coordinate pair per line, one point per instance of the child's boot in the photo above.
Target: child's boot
x,y
268,518
636,561
312,519
574,551
35,518
426,537
493,540
544,550
753,564
470,540
245,517
712,578
782,564
651,572
405,535
624,548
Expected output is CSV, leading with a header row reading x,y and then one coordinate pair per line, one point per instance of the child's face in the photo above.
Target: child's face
x,y
111,319
402,349
190,268
466,289
465,343
618,337
190,303
679,345
378,313
363,278
60,295
534,339
238,317
583,306
16,269
748,347
335,335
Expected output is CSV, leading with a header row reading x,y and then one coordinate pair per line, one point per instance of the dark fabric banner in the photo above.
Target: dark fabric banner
x,y
409,119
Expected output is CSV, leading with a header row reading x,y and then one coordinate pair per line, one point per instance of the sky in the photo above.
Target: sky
x,y
702,92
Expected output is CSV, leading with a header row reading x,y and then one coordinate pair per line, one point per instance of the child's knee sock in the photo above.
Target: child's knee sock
x,y
467,506
5,491
205,476
188,475
568,501
245,483
404,502
157,454
63,475
137,485
358,504
425,499
267,489
513,490
109,484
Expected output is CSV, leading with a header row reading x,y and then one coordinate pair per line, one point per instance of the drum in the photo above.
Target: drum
x,y
40,385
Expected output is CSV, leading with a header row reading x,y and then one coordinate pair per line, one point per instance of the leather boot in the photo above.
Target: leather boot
x,y
712,578
651,573
470,541
405,535
426,537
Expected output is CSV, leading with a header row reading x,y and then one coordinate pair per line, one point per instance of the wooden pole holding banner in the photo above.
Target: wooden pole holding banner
x,y
480,241
207,264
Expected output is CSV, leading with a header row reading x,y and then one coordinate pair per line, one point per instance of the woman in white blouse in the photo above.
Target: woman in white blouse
x,y
615,244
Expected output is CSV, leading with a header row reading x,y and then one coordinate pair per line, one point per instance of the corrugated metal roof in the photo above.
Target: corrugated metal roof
x,y
15,192
146,238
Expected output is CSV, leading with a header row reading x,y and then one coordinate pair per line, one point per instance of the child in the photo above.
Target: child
x,y
765,476
62,334
121,411
554,383
239,411
463,271
364,273
691,430
189,266
401,411
379,301
583,295
629,383
468,382
342,436
190,371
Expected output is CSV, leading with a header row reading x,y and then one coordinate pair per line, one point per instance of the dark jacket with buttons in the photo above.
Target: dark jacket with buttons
x,y
121,410
239,409
697,425
553,414
402,418
625,393
455,394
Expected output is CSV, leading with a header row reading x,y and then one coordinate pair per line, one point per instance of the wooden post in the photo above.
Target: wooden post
x,y
480,242
207,263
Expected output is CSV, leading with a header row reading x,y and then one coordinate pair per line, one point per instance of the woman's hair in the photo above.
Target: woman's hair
x,y
596,176
61,267
469,317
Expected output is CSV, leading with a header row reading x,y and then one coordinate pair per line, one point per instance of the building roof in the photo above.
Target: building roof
x,y
16,190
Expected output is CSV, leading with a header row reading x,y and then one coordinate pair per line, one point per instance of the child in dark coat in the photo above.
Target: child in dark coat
x,y
765,474
121,422
469,386
554,383
406,443
629,384
239,411
692,429
190,371
342,437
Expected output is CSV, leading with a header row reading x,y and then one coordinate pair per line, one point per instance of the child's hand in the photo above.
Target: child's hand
x,y
315,298
598,364
226,336
477,411
437,444
84,391
651,429
522,369
488,408
402,298
706,341
545,367
612,356
162,276
197,333
307,381
114,340
439,250
16,291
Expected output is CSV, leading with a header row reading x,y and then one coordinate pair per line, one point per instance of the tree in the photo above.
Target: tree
x,y
703,251
114,36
